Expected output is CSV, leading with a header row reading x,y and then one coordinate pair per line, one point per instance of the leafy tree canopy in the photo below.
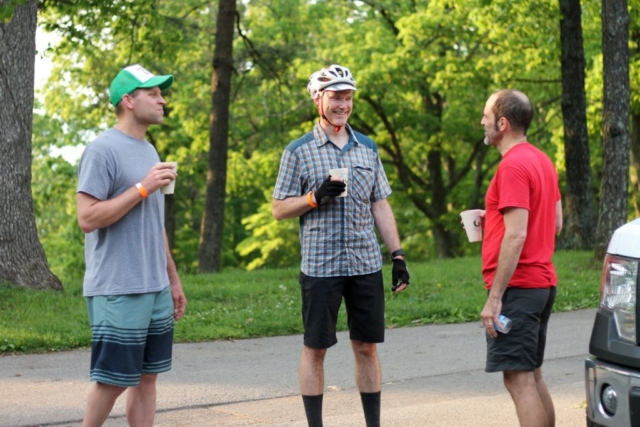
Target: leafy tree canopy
x,y
424,70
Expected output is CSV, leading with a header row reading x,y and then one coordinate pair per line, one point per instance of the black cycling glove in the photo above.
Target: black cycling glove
x,y
399,274
329,189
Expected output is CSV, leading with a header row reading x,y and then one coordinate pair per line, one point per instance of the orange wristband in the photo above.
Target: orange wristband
x,y
142,190
310,200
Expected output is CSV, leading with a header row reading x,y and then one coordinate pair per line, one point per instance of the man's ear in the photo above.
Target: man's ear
x,y
127,101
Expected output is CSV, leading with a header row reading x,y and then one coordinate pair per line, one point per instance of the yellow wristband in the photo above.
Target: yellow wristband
x,y
142,190
310,200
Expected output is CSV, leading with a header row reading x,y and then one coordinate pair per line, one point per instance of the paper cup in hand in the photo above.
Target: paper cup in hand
x,y
342,173
472,224
168,189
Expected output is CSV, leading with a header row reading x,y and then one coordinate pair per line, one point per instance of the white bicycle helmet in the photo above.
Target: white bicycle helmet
x,y
333,78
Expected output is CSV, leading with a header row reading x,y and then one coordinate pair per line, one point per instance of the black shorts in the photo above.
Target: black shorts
x,y
321,300
522,349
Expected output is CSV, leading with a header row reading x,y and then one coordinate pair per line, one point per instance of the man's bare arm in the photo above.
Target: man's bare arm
x,y
515,234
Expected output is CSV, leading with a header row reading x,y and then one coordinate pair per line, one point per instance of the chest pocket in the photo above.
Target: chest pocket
x,y
363,181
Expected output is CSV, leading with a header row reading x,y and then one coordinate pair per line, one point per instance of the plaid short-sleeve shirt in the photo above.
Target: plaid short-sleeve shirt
x,y
337,238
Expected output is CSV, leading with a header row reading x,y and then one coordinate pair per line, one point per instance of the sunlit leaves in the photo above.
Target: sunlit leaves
x,y
424,69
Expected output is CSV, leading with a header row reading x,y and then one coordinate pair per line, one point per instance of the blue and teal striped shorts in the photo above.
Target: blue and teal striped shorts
x,y
132,335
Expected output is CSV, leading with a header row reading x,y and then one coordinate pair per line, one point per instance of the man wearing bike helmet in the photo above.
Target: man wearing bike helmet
x,y
333,180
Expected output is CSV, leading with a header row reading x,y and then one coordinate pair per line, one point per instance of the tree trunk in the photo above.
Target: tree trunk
x,y
210,251
443,237
477,196
170,219
635,163
635,139
22,258
578,203
615,120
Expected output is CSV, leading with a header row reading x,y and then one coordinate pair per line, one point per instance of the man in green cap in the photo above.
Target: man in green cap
x,y
131,284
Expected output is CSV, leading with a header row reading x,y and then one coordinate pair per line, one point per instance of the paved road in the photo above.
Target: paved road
x,y
433,376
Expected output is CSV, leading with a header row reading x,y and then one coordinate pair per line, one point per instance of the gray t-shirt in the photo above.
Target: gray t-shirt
x,y
127,257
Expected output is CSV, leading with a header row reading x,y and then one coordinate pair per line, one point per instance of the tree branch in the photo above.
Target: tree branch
x,y
385,15
456,177
254,52
405,174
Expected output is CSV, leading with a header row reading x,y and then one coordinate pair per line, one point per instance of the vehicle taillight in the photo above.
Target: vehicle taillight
x,y
618,293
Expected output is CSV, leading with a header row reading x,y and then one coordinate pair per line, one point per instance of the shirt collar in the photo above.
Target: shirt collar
x,y
321,138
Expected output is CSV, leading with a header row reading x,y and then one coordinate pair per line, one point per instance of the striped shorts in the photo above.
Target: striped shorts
x,y
131,335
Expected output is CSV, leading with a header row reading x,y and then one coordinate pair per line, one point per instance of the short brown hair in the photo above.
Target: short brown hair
x,y
514,106
119,106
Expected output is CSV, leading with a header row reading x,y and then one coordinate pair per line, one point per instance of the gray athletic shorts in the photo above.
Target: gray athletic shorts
x,y
522,349
131,335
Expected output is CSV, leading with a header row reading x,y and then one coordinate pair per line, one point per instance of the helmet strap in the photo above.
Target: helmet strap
x,y
324,117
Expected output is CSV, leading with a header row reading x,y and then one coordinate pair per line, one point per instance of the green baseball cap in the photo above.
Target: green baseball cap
x,y
135,77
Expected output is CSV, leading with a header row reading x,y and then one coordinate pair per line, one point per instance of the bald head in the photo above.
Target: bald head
x,y
514,106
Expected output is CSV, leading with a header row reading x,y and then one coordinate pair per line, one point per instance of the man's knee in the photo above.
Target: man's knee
x,y
314,355
364,349
148,380
515,381
537,374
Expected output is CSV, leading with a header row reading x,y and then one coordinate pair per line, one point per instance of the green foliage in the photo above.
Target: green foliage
x,y
424,70
53,188
7,9
238,304
275,244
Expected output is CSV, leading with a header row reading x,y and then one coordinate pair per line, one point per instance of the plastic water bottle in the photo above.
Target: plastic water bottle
x,y
504,324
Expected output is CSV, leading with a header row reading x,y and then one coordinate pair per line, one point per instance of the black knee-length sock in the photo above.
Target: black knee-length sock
x,y
371,406
313,409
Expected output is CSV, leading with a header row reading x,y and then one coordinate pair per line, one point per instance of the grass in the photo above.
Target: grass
x,y
240,304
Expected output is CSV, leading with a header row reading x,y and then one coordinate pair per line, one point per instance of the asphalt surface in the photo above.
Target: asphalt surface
x,y
432,376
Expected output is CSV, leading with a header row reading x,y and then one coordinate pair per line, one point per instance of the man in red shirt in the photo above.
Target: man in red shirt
x,y
523,216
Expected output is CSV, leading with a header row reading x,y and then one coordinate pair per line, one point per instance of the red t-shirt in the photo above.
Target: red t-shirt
x,y
526,179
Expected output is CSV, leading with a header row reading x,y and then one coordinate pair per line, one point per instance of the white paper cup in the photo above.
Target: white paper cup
x,y
342,173
169,189
472,224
